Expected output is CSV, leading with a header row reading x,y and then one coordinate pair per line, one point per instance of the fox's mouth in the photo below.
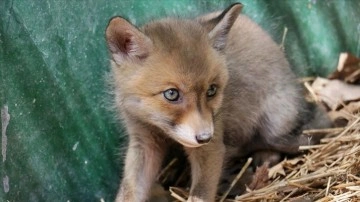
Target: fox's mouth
x,y
184,133
189,144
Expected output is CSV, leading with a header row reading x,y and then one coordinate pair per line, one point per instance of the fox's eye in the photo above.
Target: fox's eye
x,y
211,91
172,94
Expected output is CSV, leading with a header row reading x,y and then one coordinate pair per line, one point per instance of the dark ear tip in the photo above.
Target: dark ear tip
x,y
233,9
237,6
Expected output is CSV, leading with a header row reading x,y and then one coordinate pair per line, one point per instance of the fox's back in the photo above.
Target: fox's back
x,y
261,83
264,105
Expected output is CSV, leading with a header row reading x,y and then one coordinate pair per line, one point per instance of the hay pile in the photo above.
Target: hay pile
x,y
328,172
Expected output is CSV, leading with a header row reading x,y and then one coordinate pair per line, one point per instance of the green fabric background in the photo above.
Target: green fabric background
x,y
63,144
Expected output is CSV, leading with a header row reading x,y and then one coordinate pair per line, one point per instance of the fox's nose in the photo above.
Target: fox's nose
x,y
203,138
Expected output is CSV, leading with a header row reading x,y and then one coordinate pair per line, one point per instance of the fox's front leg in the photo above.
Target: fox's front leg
x,y
143,161
206,165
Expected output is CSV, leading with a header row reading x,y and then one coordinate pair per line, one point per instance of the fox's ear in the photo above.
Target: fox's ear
x,y
219,27
126,42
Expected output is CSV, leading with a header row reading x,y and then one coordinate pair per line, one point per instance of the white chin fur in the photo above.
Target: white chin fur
x,y
185,135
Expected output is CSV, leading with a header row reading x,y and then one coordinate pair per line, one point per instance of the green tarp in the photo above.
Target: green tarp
x,y
62,142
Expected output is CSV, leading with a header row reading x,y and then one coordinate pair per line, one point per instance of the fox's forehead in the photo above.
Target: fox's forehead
x,y
172,33
182,47
179,38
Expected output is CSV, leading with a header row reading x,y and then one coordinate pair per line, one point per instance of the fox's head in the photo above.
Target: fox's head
x,y
172,73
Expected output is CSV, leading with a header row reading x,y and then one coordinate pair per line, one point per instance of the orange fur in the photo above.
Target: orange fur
x,y
217,85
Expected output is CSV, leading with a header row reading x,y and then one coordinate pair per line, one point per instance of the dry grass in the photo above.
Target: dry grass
x,y
328,172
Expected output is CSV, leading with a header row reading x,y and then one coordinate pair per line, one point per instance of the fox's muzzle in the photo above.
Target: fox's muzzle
x,y
194,130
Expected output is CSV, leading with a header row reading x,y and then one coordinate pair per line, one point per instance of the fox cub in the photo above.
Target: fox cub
x,y
218,85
